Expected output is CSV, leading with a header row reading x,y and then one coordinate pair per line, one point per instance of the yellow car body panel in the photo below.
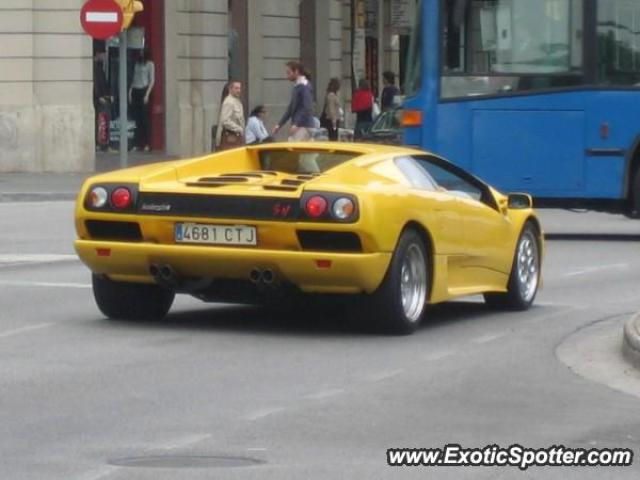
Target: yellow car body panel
x,y
471,243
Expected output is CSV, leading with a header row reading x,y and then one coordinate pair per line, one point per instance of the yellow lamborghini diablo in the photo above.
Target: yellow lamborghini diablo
x,y
399,228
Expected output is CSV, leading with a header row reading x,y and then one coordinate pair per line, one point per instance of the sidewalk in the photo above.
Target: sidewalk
x,y
40,187
631,341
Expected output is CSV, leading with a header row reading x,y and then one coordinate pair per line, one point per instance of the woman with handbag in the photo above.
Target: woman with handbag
x,y
230,132
362,105
330,118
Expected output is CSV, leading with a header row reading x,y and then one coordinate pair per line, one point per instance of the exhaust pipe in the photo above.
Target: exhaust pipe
x,y
167,273
154,271
268,277
255,276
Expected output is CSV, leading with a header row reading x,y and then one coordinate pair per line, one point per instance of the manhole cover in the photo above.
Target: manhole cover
x,y
186,462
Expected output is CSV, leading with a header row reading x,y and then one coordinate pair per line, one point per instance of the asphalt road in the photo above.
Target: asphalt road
x,y
233,392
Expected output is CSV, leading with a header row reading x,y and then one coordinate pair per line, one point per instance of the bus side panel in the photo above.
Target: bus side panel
x,y
539,152
555,145
613,125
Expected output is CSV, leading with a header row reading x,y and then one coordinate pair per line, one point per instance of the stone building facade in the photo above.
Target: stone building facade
x,y
47,116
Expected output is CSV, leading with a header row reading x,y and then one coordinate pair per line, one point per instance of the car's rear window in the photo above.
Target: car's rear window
x,y
303,161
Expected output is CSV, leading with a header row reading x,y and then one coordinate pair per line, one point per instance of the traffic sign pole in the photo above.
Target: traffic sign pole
x,y
124,98
103,19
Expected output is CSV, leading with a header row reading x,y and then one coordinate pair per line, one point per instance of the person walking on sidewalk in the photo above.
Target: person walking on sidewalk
x,y
230,132
362,106
330,118
144,79
300,110
389,92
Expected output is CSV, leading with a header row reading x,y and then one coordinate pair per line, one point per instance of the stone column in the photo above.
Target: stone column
x,y
46,99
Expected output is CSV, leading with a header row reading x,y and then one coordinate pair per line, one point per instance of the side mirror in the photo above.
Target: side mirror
x,y
520,201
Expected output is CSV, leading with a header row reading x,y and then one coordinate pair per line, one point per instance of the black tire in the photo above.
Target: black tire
x,y
520,296
385,306
634,197
131,301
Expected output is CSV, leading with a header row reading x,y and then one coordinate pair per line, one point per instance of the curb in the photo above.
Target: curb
x,y
37,197
631,341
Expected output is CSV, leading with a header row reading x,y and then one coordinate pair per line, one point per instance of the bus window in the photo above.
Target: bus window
x,y
413,81
618,42
502,46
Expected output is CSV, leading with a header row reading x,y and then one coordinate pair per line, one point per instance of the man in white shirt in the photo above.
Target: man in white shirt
x,y
256,132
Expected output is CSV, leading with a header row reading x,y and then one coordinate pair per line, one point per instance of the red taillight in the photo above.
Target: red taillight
x,y
121,198
316,206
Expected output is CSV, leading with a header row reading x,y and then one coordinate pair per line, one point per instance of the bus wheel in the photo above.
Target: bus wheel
x,y
634,207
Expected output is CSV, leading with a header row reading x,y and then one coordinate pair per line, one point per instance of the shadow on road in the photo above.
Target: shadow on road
x,y
327,320
593,237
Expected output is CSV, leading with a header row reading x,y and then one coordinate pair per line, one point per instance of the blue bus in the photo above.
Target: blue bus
x,y
539,96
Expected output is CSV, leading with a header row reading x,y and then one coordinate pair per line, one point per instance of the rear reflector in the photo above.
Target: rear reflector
x,y
103,252
323,263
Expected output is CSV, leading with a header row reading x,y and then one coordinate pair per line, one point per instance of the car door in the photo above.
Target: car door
x,y
439,211
484,261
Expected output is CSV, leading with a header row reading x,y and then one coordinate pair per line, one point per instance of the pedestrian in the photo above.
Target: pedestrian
x,y
144,79
362,105
230,132
101,100
300,110
330,118
389,91
256,132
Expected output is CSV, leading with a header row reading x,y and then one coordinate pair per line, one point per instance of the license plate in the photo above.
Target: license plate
x,y
241,235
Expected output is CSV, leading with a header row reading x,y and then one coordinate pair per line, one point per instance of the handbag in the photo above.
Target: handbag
x,y
375,110
324,121
231,139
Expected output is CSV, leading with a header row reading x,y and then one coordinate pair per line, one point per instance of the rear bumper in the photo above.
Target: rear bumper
x,y
349,273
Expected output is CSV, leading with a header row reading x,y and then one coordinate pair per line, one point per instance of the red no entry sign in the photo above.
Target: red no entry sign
x,y
101,19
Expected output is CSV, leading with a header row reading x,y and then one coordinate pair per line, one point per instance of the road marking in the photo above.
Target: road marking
x,y
19,283
488,338
20,331
324,394
12,202
185,442
586,271
382,376
35,258
100,473
257,449
265,412
432,357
